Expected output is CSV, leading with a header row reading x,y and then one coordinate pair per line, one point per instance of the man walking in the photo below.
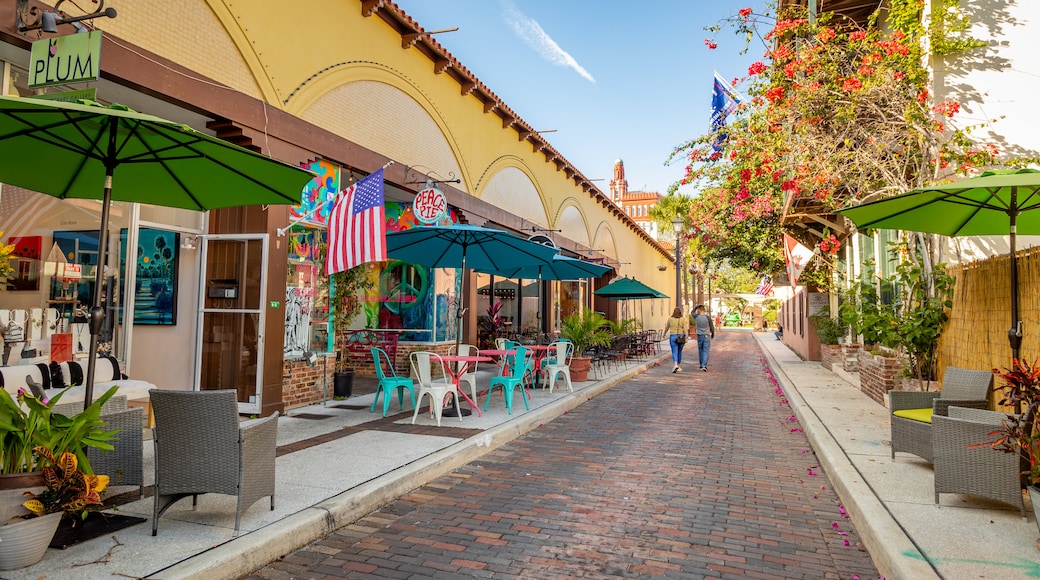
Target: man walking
x,y
705,332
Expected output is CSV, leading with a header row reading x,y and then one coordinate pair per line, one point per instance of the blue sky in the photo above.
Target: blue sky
x,y
616,79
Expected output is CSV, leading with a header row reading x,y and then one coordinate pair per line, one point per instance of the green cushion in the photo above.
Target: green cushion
x,y
922,415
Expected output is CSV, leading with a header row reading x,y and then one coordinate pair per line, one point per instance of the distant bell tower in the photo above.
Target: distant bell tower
x,y
618,185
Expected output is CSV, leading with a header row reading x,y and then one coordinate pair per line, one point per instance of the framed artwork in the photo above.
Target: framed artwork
x,y
26,262
155,289
78,247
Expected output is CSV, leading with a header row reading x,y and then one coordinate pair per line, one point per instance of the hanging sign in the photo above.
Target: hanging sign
x,y
430,205
73,58
542,239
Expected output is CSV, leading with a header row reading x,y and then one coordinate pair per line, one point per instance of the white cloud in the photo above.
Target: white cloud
x,y
531,32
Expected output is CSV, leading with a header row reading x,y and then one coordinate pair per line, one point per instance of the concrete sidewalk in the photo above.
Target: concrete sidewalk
x,y
338,462
892,502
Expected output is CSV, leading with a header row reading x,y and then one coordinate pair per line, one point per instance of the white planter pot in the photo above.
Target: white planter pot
x,y
24,542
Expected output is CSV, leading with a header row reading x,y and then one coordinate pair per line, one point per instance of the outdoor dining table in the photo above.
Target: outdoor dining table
x,y
539,350
462,366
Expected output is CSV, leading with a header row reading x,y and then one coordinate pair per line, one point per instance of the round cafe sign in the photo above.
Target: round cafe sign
x,y
430,205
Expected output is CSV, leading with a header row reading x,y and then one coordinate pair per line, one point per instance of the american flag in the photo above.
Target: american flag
x,y
357,225
765,287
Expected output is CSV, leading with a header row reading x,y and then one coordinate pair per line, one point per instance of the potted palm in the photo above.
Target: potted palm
x,y
584,329
32,436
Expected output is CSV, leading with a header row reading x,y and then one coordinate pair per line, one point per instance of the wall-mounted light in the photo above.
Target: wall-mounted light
x,y
189,242
50,21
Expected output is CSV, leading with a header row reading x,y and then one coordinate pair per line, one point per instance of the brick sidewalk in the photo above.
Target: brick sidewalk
x,y
680,475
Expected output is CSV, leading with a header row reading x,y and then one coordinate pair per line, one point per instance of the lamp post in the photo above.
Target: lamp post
x,y
677,225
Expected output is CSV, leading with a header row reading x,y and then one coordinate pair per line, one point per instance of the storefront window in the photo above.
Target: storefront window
x,y
307,294
56,258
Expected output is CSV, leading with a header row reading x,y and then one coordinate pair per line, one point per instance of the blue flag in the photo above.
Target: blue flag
x,y
723,102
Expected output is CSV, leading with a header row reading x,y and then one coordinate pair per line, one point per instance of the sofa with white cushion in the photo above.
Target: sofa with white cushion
x,y
69,376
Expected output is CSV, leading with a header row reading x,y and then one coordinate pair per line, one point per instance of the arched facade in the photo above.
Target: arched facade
x,y
359,94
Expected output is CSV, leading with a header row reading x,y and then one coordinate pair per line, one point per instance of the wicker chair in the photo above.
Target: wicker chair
x,y
912,411
123,464
978,470
200,447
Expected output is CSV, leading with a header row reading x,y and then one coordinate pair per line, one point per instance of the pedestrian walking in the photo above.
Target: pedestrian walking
x,y
677,329
705,332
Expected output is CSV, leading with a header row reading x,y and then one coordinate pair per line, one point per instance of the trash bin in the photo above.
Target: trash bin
x,y
343,384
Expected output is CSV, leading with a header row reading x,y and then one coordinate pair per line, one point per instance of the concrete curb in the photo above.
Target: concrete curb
x,y
249,552
885,541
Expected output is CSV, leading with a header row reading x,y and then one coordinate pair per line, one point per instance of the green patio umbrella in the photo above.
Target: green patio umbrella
x,y
628,289
996,203
88,151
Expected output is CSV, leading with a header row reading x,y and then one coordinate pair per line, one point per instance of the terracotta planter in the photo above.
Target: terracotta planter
x,y
580,366
24,542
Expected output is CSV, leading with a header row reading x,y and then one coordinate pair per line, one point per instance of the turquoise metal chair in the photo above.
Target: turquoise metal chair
x,y
510,382
390,382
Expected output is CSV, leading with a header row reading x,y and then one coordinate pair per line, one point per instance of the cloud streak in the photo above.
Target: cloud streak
x,y
531,33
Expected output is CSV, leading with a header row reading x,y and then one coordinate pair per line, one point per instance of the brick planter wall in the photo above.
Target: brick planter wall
x,y
829,355
880,374
850,357
302,383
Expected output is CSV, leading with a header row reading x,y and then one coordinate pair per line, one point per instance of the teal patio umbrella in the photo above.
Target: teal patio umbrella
x,y
88,151
465,246
995,203
628,289
560,268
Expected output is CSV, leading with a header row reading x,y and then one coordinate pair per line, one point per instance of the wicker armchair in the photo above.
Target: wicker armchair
x,y
912,432
200,447
981,471
123,464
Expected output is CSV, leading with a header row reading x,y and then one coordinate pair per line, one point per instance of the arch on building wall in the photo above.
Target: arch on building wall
x,y
571,219
336,100
509,184
603,238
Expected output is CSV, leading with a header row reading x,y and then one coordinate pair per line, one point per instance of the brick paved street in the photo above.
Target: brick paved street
x,y
675,475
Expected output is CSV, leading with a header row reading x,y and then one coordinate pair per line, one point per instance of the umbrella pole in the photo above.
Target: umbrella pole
x,y
97,313
1015,332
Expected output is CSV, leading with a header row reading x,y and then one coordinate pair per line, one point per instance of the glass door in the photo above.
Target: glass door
x,y
230,342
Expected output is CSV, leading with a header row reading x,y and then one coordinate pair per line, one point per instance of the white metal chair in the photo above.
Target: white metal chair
x,y
471,374
557,361
437,389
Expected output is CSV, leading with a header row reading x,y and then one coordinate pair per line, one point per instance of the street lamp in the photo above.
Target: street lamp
x,y
677,225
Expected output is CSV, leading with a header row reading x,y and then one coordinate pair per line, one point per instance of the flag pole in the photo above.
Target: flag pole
x,y
317,208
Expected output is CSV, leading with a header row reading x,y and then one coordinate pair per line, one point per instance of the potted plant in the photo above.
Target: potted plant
x,y
1020,433
346,306
584,329
489,325
830,331
31,437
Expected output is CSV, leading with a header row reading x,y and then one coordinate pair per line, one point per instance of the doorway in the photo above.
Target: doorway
x,y
230,341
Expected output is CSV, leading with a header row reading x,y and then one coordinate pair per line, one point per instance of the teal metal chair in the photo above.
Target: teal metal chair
x,y
390,382
508,383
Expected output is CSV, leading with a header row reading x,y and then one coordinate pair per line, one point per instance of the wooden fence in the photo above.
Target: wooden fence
x,y
976,336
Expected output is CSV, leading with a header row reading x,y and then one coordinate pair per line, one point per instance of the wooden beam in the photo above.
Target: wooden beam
x,y
369,7
467,88
440,65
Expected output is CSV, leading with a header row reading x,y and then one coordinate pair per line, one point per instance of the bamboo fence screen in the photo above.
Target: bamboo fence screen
x,y
976,336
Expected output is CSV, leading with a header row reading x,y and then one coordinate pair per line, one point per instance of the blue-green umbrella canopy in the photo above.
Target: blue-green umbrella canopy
x,y
465,246
1000,202
560,268
628,289
89,151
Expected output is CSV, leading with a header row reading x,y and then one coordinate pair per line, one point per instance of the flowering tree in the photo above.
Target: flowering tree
x,y
836,113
